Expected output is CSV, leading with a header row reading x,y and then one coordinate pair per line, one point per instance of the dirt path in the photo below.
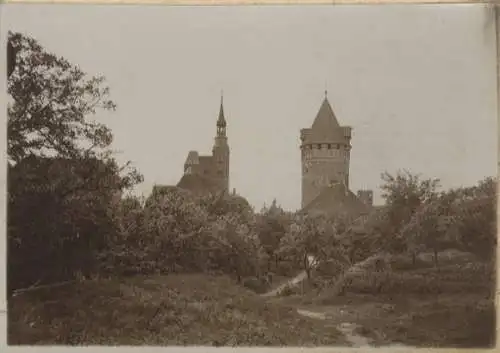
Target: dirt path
x,y
292,282
313,263
348,329
345,318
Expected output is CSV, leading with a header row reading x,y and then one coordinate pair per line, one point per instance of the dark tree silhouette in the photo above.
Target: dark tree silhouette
x,y
11,58
62,179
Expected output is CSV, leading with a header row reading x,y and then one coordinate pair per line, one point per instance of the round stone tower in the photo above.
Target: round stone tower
x,y
325,149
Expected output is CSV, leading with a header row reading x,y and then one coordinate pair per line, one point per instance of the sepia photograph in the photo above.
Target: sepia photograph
x,y
251,176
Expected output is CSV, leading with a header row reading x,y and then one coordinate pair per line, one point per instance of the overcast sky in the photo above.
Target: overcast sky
x,y
416,83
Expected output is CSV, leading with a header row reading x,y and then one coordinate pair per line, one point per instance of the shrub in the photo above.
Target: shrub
x,y
257,285
423,282
68,202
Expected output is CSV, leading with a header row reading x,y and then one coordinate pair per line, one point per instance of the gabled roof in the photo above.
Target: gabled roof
x,y
192,158
206,161
197,183
337,200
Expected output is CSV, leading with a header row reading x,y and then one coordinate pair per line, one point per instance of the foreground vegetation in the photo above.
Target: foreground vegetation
x,y
130,259
160,310
449,306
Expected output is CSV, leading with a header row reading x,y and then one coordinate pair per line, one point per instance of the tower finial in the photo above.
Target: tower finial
x,y
326,89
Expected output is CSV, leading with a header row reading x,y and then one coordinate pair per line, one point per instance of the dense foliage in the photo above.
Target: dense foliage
x,y
62,179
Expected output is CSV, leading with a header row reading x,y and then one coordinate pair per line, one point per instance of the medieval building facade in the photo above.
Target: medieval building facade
x,y
209,173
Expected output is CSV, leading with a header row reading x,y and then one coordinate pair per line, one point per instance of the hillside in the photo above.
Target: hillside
x,y
160,310
448,306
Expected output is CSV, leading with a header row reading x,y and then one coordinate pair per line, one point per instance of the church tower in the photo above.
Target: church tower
x,y
325,149
220,151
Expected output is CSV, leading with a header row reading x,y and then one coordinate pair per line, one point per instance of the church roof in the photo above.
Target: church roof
x,y
192,158
196,183
325,125
335,200
206,161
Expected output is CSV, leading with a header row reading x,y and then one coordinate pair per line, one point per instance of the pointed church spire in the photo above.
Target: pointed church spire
x,y
221,121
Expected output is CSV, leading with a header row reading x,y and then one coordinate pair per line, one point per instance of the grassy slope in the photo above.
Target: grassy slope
x,y
168,310
459,321
449,306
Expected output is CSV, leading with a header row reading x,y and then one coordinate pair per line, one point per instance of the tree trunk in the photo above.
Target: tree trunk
x,y
435,258
414,258
238,276
306,266
351,255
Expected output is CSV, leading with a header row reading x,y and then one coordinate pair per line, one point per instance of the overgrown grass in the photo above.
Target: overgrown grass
x,y
460,321
163,310
448,306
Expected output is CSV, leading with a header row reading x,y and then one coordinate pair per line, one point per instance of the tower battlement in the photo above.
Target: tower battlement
x,y
347,130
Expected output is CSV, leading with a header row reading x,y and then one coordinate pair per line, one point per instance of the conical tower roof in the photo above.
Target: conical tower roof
x,y
325,119
326,126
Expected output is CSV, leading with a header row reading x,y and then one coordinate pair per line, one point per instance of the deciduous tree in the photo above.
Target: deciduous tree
x,y
404,193
53,101
62,177
316,237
